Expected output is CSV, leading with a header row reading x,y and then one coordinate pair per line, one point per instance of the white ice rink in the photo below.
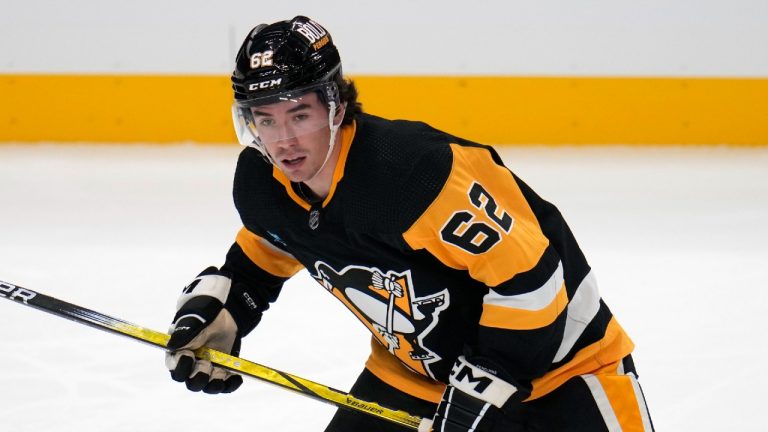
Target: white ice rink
x,y
677,238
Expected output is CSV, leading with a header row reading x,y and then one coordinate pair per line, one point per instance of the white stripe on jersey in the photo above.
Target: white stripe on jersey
x,y
535,300
581,310
603,403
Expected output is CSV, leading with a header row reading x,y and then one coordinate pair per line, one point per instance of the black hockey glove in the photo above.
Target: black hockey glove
x,y
472,401
203,318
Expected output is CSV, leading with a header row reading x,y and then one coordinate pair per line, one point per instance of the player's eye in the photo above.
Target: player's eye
x,y
265,122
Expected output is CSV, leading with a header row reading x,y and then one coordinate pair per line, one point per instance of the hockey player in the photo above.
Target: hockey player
x,y
484,313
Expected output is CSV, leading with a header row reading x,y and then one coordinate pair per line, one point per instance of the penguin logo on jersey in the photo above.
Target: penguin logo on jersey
x,y
385,302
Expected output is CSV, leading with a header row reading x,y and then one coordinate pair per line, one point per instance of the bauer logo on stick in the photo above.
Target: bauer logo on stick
x,y
15,293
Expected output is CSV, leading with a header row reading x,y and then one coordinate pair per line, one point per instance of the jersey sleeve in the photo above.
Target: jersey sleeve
x,y
258,270
271,259
482,223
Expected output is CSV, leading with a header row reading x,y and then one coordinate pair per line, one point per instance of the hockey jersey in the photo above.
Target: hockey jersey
x,y
438,249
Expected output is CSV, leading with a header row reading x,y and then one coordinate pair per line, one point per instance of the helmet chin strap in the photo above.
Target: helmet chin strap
x,y
334,129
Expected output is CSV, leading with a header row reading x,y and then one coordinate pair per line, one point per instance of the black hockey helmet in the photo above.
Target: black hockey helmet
x,y
286,55
285,62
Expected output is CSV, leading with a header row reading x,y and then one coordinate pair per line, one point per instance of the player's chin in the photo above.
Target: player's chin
x,y
295,175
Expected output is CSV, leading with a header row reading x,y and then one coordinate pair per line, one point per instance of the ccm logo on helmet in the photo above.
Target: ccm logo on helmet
x,y
265,84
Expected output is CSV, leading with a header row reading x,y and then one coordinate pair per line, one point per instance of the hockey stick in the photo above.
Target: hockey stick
x,y
287,381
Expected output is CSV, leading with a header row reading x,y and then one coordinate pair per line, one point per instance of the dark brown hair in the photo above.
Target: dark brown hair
x,y
348,94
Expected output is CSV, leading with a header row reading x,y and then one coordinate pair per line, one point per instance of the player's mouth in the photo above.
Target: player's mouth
x,y
294,162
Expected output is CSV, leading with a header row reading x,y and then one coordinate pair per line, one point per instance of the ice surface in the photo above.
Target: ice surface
x,y
676,236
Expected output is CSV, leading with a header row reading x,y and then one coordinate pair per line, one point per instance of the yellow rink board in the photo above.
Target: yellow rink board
x,y
487,109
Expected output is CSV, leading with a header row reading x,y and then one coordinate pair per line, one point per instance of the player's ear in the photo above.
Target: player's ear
x,y
339,116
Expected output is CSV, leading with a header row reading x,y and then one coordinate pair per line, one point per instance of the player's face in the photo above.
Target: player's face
x,y
296,135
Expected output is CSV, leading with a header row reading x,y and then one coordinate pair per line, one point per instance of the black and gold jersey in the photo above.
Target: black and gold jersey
x,y
437,248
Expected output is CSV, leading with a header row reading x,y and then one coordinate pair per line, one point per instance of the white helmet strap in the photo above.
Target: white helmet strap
x,y
334,129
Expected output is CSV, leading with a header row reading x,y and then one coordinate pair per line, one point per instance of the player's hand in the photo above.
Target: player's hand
x,y
202,320
472,401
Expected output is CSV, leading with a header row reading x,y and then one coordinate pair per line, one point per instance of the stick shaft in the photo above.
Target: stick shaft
x,y
285,380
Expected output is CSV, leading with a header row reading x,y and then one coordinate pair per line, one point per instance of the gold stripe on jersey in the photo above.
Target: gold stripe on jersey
x,y
267,256
391,370
602,356
624,405
527,311
519,248
523,319
345,136
279,176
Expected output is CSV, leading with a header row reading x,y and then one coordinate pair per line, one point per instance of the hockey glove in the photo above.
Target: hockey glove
x,y
472,401
202,320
